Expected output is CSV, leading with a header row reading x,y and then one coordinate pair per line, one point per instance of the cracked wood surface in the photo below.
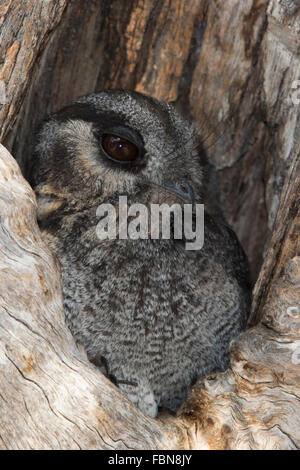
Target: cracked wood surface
x,y
24,29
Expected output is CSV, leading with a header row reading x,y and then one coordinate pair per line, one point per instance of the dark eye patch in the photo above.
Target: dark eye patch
x,y
119,144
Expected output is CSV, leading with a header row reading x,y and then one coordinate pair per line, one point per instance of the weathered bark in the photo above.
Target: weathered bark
x,y
232,59
24,29
285,242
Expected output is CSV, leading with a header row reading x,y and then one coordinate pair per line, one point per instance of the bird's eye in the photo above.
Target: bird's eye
x,y
119,148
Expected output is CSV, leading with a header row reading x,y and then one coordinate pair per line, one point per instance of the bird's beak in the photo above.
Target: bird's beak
x,y
184,190
171,193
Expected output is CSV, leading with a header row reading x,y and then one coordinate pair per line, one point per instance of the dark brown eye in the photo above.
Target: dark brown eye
x,y
119,148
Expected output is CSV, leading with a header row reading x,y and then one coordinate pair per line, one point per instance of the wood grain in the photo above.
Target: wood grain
x,y
24,29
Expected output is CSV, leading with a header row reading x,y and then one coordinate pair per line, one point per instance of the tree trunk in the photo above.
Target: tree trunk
x,y
238,61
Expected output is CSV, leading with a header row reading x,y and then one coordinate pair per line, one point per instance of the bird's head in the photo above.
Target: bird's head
x,y
117,143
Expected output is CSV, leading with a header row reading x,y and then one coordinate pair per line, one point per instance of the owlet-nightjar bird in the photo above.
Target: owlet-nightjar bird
x,y
152,314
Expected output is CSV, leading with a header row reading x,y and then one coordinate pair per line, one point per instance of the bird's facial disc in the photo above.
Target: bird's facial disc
x,y
125,141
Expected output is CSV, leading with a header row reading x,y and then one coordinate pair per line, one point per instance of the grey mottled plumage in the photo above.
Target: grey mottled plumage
x,y
155,315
